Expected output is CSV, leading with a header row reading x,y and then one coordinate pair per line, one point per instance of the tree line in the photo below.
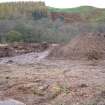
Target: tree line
x,y
25,9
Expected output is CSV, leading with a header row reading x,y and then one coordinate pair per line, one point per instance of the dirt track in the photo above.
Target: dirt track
x,y
53,82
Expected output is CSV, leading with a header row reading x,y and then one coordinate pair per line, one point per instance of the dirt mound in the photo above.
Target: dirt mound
x,y
87,46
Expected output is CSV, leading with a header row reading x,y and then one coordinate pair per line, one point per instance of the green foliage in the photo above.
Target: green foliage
x,y
14,36
22,21
44,30
73,10
28,33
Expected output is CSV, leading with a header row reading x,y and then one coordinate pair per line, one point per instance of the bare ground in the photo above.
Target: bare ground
x,y
39,81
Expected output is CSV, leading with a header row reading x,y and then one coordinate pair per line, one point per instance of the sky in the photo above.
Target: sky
x,y
68,3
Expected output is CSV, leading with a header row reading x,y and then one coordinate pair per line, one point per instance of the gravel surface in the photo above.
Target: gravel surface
x,y
25,58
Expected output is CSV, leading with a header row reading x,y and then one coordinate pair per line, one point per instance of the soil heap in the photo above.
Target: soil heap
x,y
86,46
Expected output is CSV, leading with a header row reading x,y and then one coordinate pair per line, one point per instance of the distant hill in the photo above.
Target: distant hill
x,y
87,13
38,10
73,10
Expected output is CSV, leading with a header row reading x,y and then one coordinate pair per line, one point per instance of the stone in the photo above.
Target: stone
x,y
11,102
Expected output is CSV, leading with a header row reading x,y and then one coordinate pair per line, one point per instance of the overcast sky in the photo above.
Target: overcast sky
x,y
68,3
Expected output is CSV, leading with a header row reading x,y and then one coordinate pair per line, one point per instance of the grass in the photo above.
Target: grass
x,y
72,10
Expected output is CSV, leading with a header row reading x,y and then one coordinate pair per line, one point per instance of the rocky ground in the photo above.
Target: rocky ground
x,y
34,80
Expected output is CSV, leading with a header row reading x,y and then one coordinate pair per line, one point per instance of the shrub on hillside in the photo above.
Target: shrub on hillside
x,y
14,36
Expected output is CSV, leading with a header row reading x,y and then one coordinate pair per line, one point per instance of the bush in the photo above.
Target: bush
x,y
14,36
45,30
29,33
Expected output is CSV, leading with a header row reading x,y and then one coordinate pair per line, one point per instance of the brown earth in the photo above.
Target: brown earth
x,y
54,82
67,17
38,81
7,50
87,46
35,80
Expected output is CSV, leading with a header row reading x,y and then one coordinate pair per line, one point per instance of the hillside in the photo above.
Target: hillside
x,y
87,13
22,22
38,10
73,10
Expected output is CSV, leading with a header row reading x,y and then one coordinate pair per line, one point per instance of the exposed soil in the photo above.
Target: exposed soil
x,y
67,17
33,79
52,82
8,50
88,46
